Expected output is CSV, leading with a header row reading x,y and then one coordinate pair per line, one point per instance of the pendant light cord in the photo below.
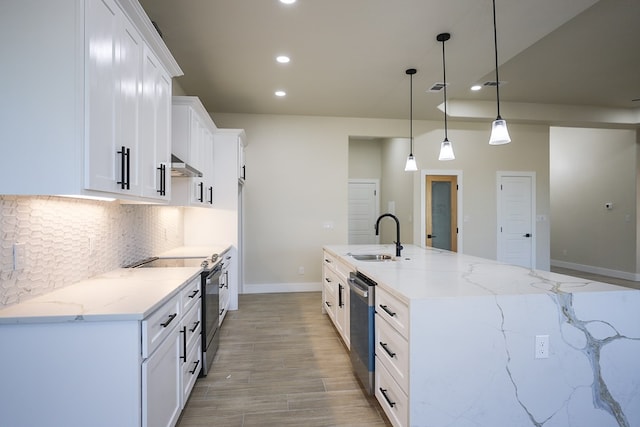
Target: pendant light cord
x,y
495,47
444,74
411,72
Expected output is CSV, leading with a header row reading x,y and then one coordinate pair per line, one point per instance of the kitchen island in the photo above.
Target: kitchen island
x,y
490,344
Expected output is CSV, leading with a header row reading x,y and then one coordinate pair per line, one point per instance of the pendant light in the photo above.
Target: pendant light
x,y
499,132
446,149
411,165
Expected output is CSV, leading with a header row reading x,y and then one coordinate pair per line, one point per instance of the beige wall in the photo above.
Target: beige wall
x,y
298,169
590,167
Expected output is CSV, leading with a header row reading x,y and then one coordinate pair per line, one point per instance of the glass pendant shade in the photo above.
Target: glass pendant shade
x,y
499,132
411,165
446,151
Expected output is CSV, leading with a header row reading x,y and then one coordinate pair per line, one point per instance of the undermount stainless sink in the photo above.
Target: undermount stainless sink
x,y
373,257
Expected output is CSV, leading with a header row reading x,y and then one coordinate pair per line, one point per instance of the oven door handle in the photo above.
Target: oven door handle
x,y
356,287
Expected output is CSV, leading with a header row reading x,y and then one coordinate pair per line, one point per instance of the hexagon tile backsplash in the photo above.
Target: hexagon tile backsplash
x,y
58,241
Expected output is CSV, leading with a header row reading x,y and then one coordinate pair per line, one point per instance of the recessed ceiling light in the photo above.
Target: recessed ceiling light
x,y
280,93
287,1
476,87
283,59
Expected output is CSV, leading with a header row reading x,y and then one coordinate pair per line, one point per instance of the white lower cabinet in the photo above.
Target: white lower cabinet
x,y
161,387
392,362
103,373
335,294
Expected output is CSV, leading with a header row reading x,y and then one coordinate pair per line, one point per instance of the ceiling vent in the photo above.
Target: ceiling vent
x,y
436,87
493,83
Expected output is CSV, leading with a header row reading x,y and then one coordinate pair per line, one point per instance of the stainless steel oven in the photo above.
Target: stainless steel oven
x,y
209,287
362,328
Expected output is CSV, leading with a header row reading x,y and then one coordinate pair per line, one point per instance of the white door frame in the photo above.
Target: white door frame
x,y
375,181
500,246
423,202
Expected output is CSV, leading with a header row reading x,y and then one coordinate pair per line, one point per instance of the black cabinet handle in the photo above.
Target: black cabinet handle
x,y
183,331
196,363
327,260
384,394
171,317
221,311
163,179
201,186
128,168
195,326
340,288
385,348
527,235
327,279
195,292
328,303
210,195
123,165
244,172
386,309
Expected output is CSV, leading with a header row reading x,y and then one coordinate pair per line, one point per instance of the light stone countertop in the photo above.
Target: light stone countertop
x,y
194,251
432,273
121,294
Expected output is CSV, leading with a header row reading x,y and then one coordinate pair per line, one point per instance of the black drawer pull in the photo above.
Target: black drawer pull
x,y
327,279
385,348
221,311
328,303
195,292
183,331
195,326
386,309
327,260
384,394
171,317
195,368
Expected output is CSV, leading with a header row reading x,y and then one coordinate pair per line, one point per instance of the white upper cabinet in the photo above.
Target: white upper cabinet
x,y
86,102
192,142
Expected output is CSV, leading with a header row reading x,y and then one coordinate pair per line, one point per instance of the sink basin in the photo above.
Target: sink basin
x,y
373,257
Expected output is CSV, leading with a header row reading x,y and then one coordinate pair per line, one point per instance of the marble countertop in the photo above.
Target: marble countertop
x,y
121,294
432,273
194,251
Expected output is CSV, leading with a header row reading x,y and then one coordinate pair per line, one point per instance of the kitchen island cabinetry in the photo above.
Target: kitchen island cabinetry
x,y
105,352
456,342
335,294
96,78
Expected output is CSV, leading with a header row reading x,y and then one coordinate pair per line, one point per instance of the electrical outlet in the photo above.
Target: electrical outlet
x,y
19,256
542,347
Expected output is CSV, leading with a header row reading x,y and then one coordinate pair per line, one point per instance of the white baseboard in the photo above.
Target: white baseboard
x,y
597,270
269,288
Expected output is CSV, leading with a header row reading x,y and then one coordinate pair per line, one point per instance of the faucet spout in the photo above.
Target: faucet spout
x,y
397,242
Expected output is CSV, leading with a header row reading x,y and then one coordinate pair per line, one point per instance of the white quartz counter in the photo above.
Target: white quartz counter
x,y
121,294
431,273
194,251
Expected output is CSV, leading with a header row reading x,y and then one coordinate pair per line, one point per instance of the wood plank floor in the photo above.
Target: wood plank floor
x,y
280,363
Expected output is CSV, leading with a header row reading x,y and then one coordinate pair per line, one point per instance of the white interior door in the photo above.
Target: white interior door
x,y
516,213
363,211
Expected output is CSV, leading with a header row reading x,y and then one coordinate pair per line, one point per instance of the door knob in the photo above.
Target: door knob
x,y
430,236
527,235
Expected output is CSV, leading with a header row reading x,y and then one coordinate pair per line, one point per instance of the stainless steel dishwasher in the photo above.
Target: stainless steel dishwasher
x,y
362,328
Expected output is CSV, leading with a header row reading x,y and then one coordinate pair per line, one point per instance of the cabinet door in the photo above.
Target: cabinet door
x,y
113,74
155,116
161,385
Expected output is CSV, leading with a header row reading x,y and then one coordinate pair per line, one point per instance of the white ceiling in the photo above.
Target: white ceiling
x,y
348,57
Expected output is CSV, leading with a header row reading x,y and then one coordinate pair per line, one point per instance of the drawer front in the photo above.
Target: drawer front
x,y
393,311
191,325
393,400
392,349
159,324
330,281
329,300
191,294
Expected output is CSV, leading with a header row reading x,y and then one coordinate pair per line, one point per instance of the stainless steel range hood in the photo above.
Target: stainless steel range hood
x,y
180,168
